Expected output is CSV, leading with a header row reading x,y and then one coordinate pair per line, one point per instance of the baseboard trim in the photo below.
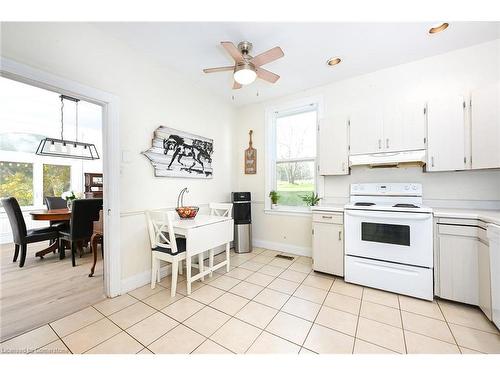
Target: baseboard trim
x,y
296,250
142,279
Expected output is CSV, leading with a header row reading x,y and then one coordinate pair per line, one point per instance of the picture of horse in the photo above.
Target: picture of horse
x,y
175,153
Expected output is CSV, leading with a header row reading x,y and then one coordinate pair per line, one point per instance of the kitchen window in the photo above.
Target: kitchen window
x,y
291,169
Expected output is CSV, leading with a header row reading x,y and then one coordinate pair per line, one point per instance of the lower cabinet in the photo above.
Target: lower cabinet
x,y
328,242
463,263
483,251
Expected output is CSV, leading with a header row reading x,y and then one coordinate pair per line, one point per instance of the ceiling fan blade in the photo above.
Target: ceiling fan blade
x,y
268,56
266,75
219,69
233,51
236,85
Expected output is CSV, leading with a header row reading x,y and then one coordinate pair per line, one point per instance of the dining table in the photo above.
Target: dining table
x,y
60,214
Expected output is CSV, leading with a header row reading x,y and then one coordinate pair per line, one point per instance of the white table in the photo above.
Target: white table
x,y
204,233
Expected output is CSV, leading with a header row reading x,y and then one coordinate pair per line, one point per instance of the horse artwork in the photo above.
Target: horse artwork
x,y
175,153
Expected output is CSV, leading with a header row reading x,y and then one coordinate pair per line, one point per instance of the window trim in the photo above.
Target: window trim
x,y
285,109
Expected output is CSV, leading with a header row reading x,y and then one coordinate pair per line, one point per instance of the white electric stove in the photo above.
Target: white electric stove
x,y
388,239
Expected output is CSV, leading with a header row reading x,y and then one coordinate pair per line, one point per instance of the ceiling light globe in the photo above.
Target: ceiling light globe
x,y
245,74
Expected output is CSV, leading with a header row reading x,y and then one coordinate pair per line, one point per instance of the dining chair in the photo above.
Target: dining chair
x,y
161,233
81,225
56,203
21,235
224,210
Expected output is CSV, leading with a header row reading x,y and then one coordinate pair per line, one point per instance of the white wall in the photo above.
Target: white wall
x,y
150,95
458,71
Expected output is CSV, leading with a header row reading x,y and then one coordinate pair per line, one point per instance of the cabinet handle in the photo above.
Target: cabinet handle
x,y
387,143
326,217
340,235
343,167
432,161
379,144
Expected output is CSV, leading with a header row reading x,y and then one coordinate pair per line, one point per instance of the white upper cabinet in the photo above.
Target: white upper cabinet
x,y
366,129
446,134
404,127
332,139
485,127
395,126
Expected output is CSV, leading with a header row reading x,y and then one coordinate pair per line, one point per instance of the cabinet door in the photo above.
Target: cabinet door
x,y
404,126
458,269
485,127
332,139
328,248
484,278
446,134
366,130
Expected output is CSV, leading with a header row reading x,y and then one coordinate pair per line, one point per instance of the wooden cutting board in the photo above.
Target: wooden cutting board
x,y
250,157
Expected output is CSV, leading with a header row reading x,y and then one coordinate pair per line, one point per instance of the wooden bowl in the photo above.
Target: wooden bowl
x,y
187,212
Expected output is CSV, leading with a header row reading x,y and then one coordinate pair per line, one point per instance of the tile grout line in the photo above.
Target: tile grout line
x,y
60,338
316,317
357,321
279,310
402,326
448,325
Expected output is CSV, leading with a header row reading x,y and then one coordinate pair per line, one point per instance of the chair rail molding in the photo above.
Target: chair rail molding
x,y
111,154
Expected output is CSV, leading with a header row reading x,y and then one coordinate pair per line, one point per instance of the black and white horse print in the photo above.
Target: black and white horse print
x,y
198,152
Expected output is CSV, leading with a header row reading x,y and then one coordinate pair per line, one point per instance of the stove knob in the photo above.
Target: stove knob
x,y
407,187
414,187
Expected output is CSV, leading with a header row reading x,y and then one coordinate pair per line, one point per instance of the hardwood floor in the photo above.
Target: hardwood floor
x,y
44,290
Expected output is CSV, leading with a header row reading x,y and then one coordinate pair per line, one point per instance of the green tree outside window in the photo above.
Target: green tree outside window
x,y
16,180
56,179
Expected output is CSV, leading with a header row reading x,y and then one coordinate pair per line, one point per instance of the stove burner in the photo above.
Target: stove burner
x,y
405,205
364,204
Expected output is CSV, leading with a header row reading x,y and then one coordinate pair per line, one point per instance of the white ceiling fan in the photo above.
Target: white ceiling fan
x,y
247,68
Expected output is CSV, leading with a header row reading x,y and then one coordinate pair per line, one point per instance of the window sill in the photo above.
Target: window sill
x,y
288,211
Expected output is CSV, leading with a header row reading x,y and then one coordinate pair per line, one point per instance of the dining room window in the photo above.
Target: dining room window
x,y
56,179
294,153
16,180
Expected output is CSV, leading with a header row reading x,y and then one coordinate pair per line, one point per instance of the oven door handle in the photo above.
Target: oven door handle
x,y
387,215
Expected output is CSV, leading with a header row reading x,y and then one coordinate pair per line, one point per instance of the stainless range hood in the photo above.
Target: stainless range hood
x,y
389,159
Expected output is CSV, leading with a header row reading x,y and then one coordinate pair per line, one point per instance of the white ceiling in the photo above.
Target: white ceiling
x,y
188,47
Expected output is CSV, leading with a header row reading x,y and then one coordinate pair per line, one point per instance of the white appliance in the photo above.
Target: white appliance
x,y
388,158
494,239
388,239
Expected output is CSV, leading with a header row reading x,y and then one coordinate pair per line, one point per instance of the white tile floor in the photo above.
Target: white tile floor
x,y
265,305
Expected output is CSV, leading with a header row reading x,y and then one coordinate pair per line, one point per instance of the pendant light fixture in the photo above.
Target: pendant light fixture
x,y
63,148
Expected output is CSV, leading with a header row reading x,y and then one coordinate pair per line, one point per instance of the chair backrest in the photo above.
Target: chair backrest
x,y
54,203
16,219
83,214
161,229
221,209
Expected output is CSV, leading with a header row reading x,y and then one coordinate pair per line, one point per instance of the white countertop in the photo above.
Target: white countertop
x,y
329,208
489,216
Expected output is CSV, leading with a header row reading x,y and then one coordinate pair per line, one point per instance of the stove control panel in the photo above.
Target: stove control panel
x,y
398,189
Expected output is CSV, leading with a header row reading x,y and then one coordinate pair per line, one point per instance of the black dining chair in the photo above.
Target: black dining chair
x,y
22,236
55,203
83,214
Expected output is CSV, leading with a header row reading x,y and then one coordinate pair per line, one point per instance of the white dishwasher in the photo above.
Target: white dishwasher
x,y
494,239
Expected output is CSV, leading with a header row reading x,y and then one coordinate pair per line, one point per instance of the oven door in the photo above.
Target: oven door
x,y
400,237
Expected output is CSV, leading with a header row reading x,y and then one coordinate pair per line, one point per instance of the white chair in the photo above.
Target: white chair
x,y
224,210
161,233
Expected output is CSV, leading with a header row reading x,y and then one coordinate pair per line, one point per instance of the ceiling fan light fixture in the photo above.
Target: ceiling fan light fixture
x,y
334,61
439,28
244,73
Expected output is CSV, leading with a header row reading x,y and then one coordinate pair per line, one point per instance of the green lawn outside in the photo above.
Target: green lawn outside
x,y
290,194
